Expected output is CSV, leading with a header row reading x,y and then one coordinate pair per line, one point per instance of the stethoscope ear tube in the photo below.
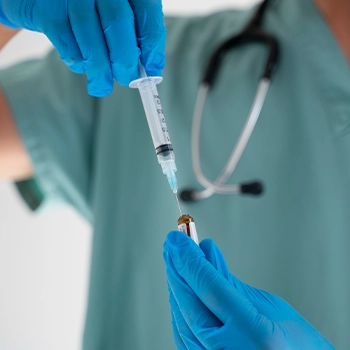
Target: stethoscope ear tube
x,y
246,37
250,34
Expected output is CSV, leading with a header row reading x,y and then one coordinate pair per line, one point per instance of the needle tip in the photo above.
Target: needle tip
x,y
178,203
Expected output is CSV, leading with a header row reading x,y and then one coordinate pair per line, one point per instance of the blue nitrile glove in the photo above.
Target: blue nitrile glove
x,y
97,36
212,309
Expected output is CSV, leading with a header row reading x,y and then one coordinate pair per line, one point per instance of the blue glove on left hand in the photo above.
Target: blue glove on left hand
x,y
212,309
102,38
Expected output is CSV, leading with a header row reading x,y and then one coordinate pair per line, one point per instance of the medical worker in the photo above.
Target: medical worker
x,y
60,144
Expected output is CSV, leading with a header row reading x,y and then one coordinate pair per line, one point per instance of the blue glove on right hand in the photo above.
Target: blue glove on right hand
x,y
103,38
213,309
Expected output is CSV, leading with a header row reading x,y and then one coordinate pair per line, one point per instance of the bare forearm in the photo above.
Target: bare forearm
x,y
6,35
14,160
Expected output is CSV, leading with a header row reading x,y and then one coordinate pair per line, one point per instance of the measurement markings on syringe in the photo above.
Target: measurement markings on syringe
x,y
162,119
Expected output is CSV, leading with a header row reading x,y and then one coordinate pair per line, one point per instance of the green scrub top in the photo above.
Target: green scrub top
x,y
97,155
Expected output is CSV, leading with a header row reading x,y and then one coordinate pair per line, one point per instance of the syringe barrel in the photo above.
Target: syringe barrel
x,y
156,122
154,114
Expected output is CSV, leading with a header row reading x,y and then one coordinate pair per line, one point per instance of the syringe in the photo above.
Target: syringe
x,y
156,122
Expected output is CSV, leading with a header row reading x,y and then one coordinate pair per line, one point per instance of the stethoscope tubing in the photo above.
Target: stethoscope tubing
x,y
251,33
218,186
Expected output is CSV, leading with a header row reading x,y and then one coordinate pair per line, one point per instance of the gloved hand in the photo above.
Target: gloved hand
x,y
212,309
103,38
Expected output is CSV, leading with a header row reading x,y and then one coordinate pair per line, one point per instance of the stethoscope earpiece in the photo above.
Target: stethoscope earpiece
x,y
255,188
188,195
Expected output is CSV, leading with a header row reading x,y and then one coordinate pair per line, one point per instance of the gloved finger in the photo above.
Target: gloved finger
x,y
216,293
195,331
193,319
174,309
151,34
69,51
211,337
264,302
183,336
118,23
59,32
180,345
213,254
89,35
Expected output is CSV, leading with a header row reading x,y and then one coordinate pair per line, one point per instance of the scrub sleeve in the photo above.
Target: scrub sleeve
x,y
55,118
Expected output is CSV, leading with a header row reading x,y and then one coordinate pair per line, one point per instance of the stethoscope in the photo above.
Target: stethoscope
x,y
251,33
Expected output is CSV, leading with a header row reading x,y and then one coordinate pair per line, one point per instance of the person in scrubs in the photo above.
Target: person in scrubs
x,y
289,245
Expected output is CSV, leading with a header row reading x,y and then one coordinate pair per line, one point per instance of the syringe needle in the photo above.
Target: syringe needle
x,y
178,203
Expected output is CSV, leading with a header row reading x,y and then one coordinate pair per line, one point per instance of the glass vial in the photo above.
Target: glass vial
x,y
186,225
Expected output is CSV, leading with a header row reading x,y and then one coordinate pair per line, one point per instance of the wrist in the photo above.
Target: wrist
x,y
6,34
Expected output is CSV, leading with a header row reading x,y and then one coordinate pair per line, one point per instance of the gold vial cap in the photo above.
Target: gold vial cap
x,y
185,219
186,225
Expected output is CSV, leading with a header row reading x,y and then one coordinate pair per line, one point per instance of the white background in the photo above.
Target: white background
x,y
44,260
